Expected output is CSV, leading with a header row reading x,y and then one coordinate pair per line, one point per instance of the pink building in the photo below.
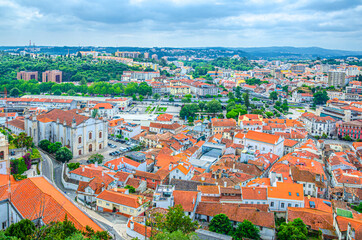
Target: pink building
x,y
52,76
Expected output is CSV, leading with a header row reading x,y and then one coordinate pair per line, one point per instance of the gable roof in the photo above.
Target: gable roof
x,y
62,115
262,137
36,197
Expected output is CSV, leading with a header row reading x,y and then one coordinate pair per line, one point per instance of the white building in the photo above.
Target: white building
x,y
285,195
182,170
319,125
81,134
264,142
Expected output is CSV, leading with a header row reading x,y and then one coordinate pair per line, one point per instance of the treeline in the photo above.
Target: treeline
x,y
21,87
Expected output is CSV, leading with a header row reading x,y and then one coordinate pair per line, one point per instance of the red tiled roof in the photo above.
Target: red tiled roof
x,y
187,199
120,198
262,137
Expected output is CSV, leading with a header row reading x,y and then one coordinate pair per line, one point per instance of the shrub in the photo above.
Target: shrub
x,y
73,166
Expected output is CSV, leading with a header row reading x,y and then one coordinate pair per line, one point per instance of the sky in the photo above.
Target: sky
x,y
333,24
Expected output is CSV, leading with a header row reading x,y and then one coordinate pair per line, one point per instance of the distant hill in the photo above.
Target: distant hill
x,y
296,53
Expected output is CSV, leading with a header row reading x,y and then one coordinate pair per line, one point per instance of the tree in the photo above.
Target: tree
x,y
246,229
44,144
320,97
57,92
14,92
53,147
213,106
141,98
94,113
22,140
71,92
186,100
273,96
177,220
63,155
177,235
202,105
96,158
295,230
22,229
189,110
220,223
134,97
347,138
171,99
246,100
156,96
238,92
130,188
231,96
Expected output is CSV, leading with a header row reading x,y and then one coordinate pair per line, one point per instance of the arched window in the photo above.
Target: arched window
x,y
80,152
90,148
100,134
80,140
90,135
100,146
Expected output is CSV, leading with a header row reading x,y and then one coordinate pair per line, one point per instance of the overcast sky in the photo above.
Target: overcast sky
x,y
335,24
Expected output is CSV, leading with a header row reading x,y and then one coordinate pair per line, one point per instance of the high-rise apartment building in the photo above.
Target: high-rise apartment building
x,y
25,75
52,76
336,78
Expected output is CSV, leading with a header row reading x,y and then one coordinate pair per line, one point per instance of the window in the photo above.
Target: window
x,y
282,205
90,135
124,209
80,140
289,204
309,185
4,225
257,202
99,201
251,202
272,204
107,204
246,202
296,205
297,194
290,194
153,180
100,134
100,146
131,211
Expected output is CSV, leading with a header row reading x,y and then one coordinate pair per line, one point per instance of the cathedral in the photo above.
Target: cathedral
x,y
81,134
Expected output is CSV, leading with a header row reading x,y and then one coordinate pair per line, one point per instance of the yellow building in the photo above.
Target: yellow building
x,y
121,203
180,90
250,117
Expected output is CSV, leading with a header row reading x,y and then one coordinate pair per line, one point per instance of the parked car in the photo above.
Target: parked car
x,y
113,146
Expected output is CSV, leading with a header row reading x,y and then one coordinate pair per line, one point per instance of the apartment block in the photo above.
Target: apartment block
x,y
25,75
52,76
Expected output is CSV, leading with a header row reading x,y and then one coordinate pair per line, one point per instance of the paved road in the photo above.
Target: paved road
x,y
47,167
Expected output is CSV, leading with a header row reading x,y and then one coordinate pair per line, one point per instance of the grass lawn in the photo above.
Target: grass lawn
x,y
12,146
301,111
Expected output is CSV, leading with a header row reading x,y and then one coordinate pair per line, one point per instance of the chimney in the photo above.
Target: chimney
x,y
82,169
202,178
102,174
170,167
132,225
193,200
96,164
225,184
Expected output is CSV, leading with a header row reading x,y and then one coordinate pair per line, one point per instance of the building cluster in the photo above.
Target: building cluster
x,y
250,169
